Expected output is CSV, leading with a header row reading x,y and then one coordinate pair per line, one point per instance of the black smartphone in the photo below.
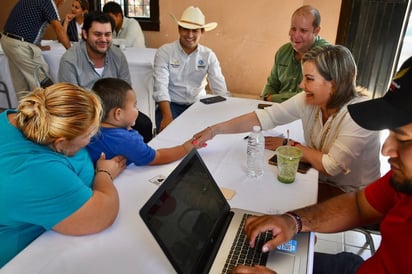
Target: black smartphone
x,y
261,106
302,168
213,99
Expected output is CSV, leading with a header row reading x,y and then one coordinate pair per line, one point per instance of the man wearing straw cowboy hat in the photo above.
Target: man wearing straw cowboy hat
x,y
181,69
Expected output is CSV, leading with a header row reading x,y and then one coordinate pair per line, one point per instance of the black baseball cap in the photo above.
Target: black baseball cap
x,y
391,111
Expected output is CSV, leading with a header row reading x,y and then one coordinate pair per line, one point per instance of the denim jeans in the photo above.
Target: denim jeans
x,y
341,263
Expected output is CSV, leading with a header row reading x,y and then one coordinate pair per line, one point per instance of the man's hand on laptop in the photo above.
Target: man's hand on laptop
x,y
283,229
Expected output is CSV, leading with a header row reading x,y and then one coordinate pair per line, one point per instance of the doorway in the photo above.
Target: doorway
x,y
374,30
406,47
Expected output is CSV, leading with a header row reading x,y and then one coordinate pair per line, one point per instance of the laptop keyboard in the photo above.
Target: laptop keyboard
x,y
241,253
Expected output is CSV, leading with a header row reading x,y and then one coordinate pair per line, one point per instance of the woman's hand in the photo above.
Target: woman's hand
x,y
190,144
114,166
200,138
69,17
273,143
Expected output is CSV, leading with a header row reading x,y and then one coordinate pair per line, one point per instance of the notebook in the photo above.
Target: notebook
x,y
195,227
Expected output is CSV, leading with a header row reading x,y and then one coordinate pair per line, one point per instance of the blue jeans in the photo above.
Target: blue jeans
x,y
341,263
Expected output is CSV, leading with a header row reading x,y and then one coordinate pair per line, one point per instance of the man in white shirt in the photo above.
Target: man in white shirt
x,y
127,31
183,68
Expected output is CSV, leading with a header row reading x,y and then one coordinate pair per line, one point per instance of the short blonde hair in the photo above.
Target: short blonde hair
x,y
336,64
60,110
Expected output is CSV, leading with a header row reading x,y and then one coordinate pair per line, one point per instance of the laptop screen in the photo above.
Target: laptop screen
x,y
185,213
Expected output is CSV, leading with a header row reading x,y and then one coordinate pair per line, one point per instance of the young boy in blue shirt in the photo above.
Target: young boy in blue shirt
x,y
116,136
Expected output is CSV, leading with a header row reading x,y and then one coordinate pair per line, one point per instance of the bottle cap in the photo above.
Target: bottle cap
x,y
256,128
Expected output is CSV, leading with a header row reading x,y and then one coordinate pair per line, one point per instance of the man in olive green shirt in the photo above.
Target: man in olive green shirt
x,y
286,75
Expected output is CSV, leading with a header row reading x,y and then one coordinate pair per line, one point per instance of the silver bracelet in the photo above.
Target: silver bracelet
x,y
297,219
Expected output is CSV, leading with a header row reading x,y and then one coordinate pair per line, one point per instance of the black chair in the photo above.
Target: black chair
x,y
144,126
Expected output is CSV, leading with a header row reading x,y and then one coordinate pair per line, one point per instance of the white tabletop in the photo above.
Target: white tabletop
x,y
140,62
127,246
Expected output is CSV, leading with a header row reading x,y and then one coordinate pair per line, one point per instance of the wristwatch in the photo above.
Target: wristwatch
x,y
265,97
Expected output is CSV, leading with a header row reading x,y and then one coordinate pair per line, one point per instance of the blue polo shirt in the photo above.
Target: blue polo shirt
x,y
29,19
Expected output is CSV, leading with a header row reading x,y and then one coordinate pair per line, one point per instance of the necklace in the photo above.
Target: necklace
x,y
325,131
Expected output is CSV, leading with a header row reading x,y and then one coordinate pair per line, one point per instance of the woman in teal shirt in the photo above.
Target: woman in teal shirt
x,y
47,180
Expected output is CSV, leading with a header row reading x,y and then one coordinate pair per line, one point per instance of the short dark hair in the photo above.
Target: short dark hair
x,y
96,16
112,7
112,92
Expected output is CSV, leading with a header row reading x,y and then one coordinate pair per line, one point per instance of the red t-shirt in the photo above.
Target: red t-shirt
x,y
394,254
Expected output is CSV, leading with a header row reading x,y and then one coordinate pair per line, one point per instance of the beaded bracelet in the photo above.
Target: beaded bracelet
x,y
105,171
297,219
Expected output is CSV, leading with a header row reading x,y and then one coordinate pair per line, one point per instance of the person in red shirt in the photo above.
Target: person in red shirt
x,y
387,201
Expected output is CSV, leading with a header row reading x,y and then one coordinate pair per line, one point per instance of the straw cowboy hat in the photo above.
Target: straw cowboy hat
x,y
193,18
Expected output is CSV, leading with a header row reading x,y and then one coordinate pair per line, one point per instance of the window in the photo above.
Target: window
x,y
144,11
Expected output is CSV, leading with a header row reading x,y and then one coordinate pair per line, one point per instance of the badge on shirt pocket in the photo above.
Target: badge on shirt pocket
x,y
201,64
175,63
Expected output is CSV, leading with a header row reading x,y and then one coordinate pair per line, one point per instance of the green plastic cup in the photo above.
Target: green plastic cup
x,y
288,162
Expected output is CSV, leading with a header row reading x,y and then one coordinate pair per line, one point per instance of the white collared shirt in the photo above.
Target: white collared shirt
x,y
350,152
131,33
182,78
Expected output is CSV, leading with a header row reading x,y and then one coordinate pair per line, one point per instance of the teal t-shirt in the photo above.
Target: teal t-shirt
x,y
38,188
286,75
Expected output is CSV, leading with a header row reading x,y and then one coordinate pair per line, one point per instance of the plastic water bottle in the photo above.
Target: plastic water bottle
x,y
255,153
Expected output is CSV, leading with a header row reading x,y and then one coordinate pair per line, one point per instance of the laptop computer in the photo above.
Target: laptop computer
x,y
195,227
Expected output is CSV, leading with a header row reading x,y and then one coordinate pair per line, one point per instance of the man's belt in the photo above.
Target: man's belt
x,y
13,36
